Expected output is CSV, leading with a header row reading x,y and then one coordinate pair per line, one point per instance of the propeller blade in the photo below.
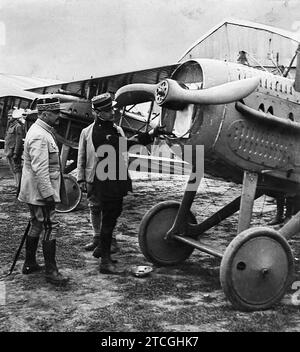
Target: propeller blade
x,y
135,94
170,91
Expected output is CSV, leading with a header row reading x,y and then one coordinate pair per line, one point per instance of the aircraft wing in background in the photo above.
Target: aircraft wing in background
x,y
88,88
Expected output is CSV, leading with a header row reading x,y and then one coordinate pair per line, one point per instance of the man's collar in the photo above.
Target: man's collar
x,y
44,125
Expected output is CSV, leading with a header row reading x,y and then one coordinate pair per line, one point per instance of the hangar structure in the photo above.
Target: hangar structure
x,y
264,46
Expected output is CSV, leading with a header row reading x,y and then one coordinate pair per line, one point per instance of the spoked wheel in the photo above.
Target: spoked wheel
x,y
153,228
256,269
74,195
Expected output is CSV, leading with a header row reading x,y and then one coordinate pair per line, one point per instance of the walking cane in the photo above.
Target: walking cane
x,y
19,249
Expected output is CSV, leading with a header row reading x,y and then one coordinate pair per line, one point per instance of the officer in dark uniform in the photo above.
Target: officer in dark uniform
x,y
111,190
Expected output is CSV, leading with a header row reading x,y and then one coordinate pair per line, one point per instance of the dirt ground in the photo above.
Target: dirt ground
x,y
186,298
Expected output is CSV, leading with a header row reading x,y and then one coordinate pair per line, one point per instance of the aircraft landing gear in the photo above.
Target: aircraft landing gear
x,y
152,235
256,269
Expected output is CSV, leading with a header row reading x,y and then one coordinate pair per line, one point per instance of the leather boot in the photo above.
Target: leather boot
x,y
114,246
113,249
92,245
30,265
52,274
97,251
97,254
107,265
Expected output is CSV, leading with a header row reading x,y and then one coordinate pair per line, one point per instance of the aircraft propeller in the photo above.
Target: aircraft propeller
x,y
176,95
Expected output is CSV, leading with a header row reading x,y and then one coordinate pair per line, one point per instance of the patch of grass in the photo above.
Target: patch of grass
x,y
195,315
69,248
272,320
269,321
44,323
118,317
158,287
181,281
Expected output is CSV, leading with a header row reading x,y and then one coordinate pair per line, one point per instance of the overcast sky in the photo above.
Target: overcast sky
x,y
74,39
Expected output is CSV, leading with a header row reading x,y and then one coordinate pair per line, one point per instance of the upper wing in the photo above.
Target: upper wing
x,y
15,91
28,88
94,86
16,86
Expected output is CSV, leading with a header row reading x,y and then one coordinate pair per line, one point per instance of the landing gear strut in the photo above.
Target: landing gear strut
x,y
257,266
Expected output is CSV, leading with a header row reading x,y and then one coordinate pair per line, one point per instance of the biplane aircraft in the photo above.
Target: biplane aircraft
x,y
236,91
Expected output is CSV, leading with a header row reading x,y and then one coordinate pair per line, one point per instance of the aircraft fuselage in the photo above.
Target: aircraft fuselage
x,y
234,142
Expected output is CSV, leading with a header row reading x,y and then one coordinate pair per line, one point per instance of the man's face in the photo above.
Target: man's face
x,y
106,115
53,117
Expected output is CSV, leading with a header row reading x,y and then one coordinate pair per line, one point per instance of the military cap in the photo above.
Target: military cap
x,y
103,102
48,104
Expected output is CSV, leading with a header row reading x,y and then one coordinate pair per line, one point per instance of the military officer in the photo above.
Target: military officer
x,y
110,191
13,147
86,165
42,187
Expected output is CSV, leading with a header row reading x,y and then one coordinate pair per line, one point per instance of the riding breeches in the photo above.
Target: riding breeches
x,y
43,219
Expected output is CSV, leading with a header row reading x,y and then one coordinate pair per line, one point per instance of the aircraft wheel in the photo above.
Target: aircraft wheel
x,y
74,195
256,269
153,228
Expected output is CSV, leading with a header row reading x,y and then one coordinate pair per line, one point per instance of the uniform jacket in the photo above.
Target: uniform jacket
x,y
105,133
14,139
87,158
41,174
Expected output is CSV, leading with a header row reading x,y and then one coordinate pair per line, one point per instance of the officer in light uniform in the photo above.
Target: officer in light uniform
x,y
42,187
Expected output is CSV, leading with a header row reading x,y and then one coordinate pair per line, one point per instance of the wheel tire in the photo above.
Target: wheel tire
x,y
74,195
153,228
256,269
